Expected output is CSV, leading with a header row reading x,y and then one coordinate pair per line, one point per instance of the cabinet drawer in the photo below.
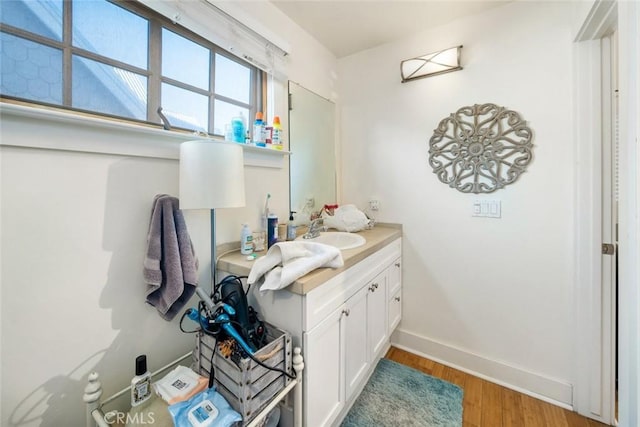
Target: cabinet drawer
x,y
395,310
395,276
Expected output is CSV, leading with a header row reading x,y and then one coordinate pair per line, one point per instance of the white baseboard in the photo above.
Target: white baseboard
x,y
547,389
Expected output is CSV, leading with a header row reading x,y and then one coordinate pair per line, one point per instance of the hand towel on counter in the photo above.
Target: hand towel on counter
x,y
347,218
170,265
286,262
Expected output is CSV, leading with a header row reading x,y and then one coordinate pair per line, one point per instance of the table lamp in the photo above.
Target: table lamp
x,y
211,177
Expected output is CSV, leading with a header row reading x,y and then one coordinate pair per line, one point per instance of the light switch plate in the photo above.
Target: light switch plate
x,y
487,208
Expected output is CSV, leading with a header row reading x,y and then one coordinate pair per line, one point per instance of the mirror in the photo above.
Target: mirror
x,y
312,164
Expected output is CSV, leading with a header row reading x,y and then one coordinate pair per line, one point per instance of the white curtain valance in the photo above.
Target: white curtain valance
x,y
207,20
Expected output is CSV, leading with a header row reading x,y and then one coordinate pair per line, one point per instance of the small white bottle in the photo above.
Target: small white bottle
x,y
246,240
292,229
141,383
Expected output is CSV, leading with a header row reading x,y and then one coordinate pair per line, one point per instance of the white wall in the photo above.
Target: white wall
x,y
493,296
72,239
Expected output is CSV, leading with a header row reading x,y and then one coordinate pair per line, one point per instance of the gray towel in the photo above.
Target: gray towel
x,y
170,266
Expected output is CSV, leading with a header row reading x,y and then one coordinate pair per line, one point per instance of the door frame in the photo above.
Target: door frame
x,y
594,376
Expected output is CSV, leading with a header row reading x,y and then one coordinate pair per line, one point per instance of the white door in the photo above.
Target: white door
x,y
595,358
609,223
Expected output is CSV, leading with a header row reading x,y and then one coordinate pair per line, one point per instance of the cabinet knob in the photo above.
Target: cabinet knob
x,y
397,264
397,299
346,312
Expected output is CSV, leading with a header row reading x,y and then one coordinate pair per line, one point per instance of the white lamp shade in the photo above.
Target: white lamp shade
x,y
211,175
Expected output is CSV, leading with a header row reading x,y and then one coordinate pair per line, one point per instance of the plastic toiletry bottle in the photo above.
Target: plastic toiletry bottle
x,y
263,219
228,132
268,134
258,130
238,128
272,229
141,383
276,134
246,240
291,228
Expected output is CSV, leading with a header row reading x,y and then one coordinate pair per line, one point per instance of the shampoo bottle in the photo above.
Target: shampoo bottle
x,y
276,135
238,128
141,383
272,230
258,130
246,240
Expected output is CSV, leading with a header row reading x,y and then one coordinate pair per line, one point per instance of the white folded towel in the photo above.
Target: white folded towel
x,y
287,261
347,218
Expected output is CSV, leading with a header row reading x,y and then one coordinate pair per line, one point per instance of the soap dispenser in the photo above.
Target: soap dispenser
x,y
291,227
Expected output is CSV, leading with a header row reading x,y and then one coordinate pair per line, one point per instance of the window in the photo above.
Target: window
x,y
121,59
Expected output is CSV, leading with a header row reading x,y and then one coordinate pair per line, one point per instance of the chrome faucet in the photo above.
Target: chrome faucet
x,y
314,229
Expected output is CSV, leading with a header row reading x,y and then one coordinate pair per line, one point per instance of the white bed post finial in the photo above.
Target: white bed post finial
x,y
91,396
298,366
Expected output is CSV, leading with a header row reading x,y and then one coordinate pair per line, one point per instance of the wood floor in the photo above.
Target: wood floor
x,y
487,404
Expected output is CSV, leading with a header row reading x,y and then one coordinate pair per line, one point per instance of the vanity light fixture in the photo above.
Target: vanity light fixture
x,y
211,177
431,64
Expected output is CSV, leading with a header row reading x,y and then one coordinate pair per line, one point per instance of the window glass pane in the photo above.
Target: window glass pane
x,y
184,108
223,114
107,89
31,70
233,80
38,16
184,60
109,30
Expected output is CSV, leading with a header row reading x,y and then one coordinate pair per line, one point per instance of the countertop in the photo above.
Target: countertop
x,y
376,238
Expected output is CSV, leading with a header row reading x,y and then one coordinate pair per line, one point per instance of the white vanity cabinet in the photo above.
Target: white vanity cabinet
x,y
354,335
343,326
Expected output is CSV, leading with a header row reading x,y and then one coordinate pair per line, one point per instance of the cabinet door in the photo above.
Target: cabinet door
x,y
356,345
377,314
395,311
323,382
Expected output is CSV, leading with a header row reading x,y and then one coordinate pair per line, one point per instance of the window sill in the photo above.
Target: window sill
x,y
31,127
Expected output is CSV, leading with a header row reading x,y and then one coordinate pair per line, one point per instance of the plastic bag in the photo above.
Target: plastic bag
x,y
180,384
205,409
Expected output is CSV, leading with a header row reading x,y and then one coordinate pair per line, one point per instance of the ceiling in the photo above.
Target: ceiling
x,y
349,26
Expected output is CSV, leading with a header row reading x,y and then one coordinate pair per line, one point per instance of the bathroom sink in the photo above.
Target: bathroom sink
x,y
338,239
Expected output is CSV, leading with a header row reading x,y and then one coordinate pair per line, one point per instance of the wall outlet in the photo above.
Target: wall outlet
x,y
374,205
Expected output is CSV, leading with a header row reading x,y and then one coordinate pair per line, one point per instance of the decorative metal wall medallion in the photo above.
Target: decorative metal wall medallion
x,y
480,148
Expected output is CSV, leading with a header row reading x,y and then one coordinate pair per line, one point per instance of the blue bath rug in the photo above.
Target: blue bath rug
x,y
397,395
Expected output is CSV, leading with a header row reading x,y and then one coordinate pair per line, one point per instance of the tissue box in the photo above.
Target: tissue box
x,y
247,386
